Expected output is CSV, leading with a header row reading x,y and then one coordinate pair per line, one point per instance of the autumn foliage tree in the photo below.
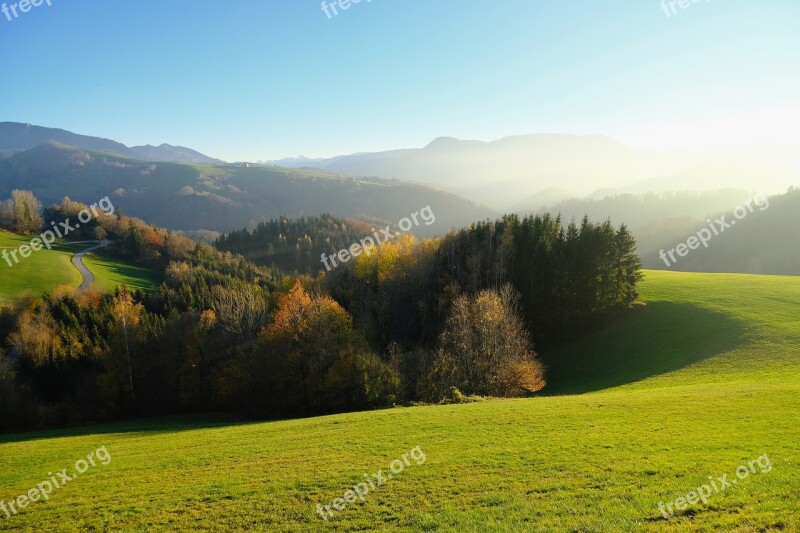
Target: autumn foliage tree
x,y
27,211
484,348
313,360
37,338
126,316
239,311
405,321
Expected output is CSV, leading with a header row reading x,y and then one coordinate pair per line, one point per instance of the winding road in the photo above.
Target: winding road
x,y
77,262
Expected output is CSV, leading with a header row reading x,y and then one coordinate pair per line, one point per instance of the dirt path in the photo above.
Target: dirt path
x,y
77,261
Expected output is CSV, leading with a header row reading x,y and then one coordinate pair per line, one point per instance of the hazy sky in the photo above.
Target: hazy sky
x,y
257,79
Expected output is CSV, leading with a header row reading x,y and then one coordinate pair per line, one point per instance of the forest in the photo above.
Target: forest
x,y
413,320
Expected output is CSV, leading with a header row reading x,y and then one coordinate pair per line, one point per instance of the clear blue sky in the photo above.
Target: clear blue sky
x,y
257,79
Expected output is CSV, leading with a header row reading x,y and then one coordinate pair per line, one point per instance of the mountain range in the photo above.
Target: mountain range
x,y
525,173
222,197
463,181
17,137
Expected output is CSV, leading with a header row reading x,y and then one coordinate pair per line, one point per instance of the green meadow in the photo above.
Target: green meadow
x,y
110,273
39,273
45,270
702,378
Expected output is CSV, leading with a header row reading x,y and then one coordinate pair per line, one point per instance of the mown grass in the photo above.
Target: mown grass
x,y
39,273
711,327
111,273
722,389
45,270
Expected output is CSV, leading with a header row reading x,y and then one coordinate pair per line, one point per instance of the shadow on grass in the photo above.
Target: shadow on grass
x,y
139,427
136,277
653,339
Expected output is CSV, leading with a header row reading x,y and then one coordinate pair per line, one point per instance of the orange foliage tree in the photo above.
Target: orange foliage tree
x,y
312,359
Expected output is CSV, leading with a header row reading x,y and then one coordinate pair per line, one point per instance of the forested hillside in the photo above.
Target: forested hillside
x,y
406,320
16,137
221,197
764,242
639,211
294,245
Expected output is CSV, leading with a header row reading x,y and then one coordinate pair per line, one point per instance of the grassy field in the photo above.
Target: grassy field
x,y
110,273
41,272
702,379
45,270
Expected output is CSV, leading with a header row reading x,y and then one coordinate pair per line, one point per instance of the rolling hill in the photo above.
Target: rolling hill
x,y
39,273
504,172
45,270
701,380
17,137
525,172
220,197
639,211
764,242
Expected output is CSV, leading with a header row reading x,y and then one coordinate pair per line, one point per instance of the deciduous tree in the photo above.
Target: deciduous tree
x,y
126,316
27,212
484,348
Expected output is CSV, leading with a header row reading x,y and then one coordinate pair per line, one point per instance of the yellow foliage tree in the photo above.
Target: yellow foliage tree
x,y
37,337
126,316
485,349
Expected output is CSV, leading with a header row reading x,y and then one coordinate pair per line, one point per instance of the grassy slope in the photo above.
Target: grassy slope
x,y
592,462
41,272
45,270
109,273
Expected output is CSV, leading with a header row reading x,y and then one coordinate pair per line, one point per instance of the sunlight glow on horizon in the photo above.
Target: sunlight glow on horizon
x,y
779,126
280,79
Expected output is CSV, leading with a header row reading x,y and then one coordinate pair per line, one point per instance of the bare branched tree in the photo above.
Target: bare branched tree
x,y
241,312
36,337
485,348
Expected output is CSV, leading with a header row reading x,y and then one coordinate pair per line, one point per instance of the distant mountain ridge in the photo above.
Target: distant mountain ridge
x,y
504,172
17,137
512,173
222,197
768,235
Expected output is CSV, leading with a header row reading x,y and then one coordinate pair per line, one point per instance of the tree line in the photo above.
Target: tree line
x,y
292,245
413,320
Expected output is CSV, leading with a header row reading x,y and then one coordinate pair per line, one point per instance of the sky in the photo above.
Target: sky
x,y
264,79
